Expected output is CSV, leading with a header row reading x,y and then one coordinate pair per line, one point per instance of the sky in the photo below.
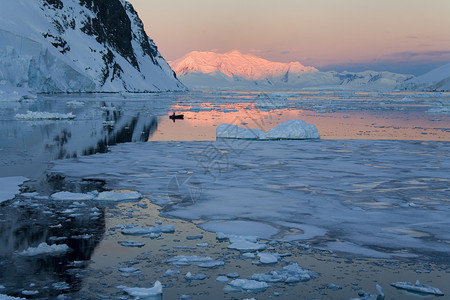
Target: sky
x,y
404,36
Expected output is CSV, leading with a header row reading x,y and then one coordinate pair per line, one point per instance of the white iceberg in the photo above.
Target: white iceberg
x,y
155,291
247,285
9,186
44,248
43,115
418,288
289,130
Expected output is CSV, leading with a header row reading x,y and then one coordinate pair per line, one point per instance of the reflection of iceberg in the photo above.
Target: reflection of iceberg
x,y
289,130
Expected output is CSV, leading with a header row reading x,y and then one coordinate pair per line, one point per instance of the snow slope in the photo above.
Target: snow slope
x,y
234,70
435,80
79,46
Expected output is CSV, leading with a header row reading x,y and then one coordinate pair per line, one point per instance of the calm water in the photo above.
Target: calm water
x,y
102,121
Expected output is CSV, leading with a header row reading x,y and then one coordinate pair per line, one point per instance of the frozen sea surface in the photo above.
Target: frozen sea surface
x,y
391,196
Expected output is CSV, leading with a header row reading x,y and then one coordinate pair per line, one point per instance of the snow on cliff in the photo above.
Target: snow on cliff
x,y
79,46
234,70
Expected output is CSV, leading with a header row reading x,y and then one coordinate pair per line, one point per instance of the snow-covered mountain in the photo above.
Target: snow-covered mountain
x,y
435,80
236,64
233,70
79,46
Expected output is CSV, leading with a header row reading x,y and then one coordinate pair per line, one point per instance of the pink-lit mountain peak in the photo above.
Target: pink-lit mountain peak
x,y
234,64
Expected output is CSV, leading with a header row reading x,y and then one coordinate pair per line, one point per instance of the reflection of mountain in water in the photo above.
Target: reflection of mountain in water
x,y
27,223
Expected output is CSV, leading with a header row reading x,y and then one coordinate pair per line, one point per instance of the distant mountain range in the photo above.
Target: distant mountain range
x,y
79,46
234,70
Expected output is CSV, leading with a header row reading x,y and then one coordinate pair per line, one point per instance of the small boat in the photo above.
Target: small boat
x,y
177,117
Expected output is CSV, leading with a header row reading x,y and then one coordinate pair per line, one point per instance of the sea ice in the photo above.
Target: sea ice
x,y
149,230
131,244
118,196
246,246
247,285
418,288
198,276
222,279
44,248
68,196
130,270
144,293
42,115
289,274
9,186
6,297
289,130
241,228
201,261
171,272
268,258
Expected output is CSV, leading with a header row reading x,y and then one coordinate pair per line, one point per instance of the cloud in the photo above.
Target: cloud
x,y
423,55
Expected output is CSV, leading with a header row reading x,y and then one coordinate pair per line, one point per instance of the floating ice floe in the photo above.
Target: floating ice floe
x,y
200,261
289,130
131,244
171,272
9,186
289,274
246,285
199,276
6,297
222,279
130,270
268,258
68,196
42,115
418,288
149,230
154,292
118,196
243,245
44,248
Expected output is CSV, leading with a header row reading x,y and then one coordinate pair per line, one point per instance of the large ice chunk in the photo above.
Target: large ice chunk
x,y
69,196
289,130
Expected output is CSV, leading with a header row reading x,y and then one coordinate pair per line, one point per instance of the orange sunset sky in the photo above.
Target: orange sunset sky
x,y
405,36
